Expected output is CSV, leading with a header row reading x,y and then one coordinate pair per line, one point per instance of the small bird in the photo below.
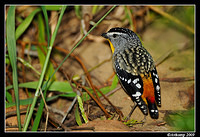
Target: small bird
x,y
135,69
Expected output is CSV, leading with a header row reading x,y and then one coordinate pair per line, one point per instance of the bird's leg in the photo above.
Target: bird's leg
x,y
131,112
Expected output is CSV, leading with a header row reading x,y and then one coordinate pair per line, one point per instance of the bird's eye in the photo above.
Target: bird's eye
x,y
114,35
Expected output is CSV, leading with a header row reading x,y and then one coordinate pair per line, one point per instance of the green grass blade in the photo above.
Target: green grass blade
x,y
24,25
27,64
80,42
50,68
11,45
47,24
57,26
44,69
22,102
41,39
114,83
39,113
77,11
128,14
77,117
28,101
28,108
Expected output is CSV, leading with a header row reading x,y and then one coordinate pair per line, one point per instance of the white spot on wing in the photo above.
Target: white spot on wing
x,y
156,80
135,80
157,88
138,85
137,94
129,81
152,110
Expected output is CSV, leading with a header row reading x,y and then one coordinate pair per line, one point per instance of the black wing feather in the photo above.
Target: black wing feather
x,y
129,83
156,84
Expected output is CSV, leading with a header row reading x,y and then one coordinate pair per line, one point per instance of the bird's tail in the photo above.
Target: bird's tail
x,y
153,111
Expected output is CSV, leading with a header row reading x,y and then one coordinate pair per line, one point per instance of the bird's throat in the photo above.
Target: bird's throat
x,y
111,46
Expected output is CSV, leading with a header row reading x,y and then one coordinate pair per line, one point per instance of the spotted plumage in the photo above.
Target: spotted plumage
x,y
135,69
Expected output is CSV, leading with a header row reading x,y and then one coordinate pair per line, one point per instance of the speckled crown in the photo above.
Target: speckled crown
x,y
123,30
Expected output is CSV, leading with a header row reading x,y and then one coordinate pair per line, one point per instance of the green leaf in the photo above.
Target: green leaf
x,y
28,101
53,7
181,121
64,87
7,60
77,117
114,82
9,97
11,45
24,25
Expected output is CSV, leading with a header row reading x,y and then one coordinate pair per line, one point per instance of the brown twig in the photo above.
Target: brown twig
x,y
82,128
100,105
164,57
84,68
177,79
45,104
88,77
113,74
116,109
14,113
52,118
111,92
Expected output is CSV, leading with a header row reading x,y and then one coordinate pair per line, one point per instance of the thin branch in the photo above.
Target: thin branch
x,y
100,105
164,57
177,79
69,109
116,109
111,92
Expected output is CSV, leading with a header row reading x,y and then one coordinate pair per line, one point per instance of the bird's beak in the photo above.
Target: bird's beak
x,y
104,35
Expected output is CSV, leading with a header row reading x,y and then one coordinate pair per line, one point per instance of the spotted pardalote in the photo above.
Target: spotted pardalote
x,y
135,69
